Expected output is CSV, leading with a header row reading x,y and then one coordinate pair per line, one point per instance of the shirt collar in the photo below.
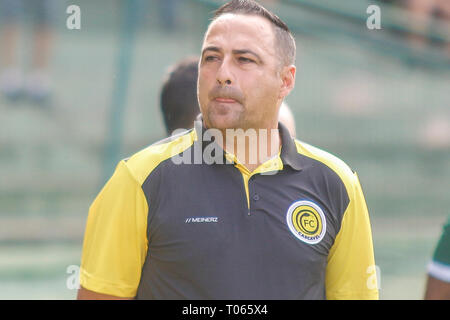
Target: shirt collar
x,y
289,155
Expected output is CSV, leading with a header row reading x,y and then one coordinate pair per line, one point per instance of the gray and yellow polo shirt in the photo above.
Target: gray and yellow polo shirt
x,y
297,227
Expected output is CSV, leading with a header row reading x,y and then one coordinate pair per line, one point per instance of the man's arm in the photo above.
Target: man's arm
x,y
85,294
115,240
351,269
437,289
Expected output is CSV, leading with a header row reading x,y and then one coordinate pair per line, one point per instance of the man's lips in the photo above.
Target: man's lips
x,y
226,95
225,100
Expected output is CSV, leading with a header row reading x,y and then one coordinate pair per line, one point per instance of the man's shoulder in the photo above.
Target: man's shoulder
x,y
142,163
338,166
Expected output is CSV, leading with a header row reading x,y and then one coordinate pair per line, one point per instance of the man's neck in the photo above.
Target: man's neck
x,y
252,147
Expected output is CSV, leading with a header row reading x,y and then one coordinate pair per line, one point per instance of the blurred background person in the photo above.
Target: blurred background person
x,y
286,117
438,281
13,81
178,98
423,12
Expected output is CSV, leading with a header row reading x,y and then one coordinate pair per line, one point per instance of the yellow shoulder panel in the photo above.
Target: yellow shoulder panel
x,y
115,241
333,162
351,269
145,161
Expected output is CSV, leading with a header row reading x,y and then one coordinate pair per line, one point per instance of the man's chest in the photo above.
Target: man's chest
x,y
221,213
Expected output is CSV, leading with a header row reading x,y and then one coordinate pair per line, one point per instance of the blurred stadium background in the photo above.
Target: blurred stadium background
x,y
378,99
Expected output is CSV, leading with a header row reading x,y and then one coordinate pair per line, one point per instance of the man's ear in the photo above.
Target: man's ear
x,y
287,80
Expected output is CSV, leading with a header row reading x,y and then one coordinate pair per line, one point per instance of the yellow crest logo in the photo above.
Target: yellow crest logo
x,y
306,221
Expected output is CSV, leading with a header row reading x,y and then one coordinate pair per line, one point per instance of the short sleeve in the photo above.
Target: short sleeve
x,y
351,271
115,242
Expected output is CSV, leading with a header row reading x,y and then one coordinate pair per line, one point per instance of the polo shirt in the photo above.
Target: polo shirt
x,y
297,227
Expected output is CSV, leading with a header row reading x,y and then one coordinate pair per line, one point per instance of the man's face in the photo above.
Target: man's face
x,y
239,81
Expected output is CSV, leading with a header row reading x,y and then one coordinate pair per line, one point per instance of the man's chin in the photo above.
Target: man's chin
x,y
222,122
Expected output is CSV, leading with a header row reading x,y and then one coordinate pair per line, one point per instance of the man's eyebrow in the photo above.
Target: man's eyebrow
x,y
210,48
247,51
236,51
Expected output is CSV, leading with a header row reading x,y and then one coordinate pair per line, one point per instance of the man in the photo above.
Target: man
x,y
37,85
292,224
438,281
178,99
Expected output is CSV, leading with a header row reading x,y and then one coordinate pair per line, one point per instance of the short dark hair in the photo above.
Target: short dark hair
x,y
179,104
283,36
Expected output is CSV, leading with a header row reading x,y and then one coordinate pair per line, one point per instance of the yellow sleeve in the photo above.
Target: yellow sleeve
x,y
115,241
351,270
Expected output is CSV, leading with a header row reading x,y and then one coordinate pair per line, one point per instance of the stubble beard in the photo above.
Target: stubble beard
x,y
218,117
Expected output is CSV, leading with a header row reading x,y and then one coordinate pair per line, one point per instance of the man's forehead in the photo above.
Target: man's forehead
x,y
240,25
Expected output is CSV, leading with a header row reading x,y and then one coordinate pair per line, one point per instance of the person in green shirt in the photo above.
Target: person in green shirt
x,y
438,281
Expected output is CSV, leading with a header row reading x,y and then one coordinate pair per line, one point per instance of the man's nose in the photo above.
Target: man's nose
x,y
225,74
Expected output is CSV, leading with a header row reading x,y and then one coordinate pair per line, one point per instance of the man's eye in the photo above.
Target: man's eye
x,y
245,60
210,58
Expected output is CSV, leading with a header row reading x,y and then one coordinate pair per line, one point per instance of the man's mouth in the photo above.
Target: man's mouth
x,y
225,100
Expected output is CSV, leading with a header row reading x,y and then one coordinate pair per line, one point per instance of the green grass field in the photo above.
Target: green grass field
x,y
371,110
